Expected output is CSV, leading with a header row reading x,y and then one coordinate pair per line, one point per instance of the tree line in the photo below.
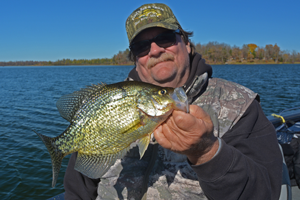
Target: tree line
x,y
212,52
220,53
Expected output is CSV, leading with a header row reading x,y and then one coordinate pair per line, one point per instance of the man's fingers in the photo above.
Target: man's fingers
x,y
161,138
188,121
198,112
183,130
203,119
182,120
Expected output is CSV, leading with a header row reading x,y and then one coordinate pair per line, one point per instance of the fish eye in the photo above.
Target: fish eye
x,y
162,92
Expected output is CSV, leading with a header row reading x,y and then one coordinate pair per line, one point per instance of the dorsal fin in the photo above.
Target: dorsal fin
x,y
68,105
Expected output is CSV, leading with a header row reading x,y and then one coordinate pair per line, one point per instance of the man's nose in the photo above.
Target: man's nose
x,y
156,50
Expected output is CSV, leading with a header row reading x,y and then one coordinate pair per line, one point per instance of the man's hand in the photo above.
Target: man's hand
x,y
190,134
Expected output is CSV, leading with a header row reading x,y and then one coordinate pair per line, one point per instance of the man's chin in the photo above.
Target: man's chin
x,y
164,71
166,81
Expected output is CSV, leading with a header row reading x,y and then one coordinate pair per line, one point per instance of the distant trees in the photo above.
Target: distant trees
x,y
252,48
103,61
119,59
212,52
220,53
23,63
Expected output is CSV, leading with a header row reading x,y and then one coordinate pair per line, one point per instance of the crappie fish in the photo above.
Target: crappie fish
x,y
106,119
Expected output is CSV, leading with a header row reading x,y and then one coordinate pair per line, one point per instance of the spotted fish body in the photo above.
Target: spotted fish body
x,y
106,119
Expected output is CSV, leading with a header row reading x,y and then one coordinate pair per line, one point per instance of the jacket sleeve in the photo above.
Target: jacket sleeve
x,y
78,186
248,164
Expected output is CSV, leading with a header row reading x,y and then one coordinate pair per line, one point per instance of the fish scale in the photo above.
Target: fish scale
x,y
106,119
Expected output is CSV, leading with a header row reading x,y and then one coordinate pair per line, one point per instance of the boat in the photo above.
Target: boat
x,y
289,115
58,197
286,123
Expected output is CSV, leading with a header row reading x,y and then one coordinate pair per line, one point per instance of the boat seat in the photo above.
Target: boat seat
x,y
286,190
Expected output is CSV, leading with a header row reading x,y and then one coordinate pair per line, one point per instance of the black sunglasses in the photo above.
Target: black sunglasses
x,y
164,40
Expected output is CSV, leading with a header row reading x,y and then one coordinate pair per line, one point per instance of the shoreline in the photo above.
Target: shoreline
x,y
231,63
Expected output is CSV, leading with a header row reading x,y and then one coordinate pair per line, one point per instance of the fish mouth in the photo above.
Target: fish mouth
x,y
158,114
162,110
180,99
176,100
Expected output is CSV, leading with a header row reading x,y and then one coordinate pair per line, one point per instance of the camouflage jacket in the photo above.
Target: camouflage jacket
x,y
163,174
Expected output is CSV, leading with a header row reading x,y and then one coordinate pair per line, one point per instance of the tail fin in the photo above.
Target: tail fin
x,y
56,156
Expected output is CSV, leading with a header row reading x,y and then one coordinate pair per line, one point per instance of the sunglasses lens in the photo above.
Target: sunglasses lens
x,y
164,40
141,48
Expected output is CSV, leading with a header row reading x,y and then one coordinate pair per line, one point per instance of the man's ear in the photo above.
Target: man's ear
x,y
188,47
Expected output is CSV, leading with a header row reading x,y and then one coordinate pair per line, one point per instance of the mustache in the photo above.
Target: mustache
x,y
164,57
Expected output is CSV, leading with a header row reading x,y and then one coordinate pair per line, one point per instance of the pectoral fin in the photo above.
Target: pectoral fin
x,y
143,144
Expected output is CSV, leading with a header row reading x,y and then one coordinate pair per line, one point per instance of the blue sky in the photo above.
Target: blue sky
x,y
46,30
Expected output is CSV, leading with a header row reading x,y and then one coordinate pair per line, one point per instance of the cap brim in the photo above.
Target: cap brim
x,y
154,24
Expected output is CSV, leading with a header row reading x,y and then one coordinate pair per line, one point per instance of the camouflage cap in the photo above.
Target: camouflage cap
x,y
150,15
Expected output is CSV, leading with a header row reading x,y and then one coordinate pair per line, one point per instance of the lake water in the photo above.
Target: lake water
x,y
28,97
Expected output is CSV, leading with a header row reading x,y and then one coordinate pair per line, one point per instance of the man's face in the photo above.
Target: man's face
x,y
168,67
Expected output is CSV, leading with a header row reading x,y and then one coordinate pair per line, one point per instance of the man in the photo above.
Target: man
x,y
225,148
